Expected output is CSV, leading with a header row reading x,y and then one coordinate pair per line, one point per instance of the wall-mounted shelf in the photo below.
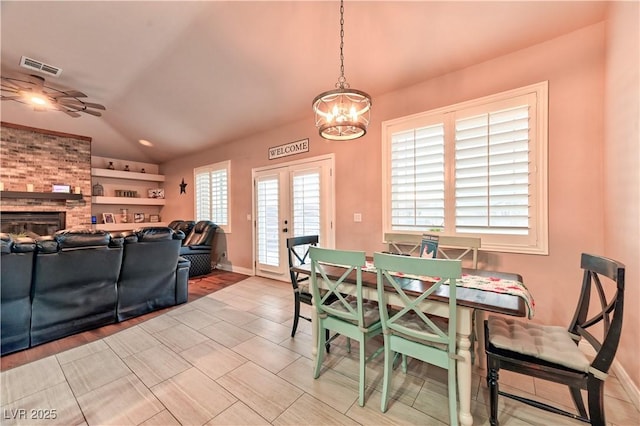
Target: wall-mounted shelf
x,y
127,226
128,201
41,195
119,174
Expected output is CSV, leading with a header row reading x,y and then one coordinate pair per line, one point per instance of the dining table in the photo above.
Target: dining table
x,y
477,292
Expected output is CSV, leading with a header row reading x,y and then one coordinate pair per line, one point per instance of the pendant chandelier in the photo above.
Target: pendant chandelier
x,y
343,113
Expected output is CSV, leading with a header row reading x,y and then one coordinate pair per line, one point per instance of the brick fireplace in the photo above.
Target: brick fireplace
x,y
41,158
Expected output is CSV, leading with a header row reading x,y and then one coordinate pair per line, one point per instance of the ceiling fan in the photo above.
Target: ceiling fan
x,y
32,91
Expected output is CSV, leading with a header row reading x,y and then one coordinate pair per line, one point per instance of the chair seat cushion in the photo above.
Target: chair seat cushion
x,y
413,322
304,287
370,309
549,343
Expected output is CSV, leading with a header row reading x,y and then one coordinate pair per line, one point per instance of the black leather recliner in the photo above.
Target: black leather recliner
x,y
152,276
197,247
15,285
74,283
182,225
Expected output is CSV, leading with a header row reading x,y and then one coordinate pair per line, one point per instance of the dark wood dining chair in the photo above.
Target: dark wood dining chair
x,y
552,353
298,253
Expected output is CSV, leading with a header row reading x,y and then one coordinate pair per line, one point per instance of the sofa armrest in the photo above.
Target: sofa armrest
x,y
182,280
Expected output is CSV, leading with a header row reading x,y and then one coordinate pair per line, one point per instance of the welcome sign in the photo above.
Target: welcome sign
x,y
287,149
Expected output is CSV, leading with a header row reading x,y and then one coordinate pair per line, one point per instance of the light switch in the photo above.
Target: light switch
x,y
249,216
357,217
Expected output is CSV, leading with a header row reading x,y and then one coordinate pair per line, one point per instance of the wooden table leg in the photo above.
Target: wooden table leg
x,y
465,326
481,357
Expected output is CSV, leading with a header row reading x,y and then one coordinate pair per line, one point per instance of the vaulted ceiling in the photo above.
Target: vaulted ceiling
x,y
187,75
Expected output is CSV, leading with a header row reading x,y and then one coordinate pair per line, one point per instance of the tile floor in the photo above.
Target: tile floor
x,y
228,359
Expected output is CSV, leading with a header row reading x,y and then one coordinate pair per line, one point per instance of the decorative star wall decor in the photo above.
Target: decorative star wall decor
x,y
183,187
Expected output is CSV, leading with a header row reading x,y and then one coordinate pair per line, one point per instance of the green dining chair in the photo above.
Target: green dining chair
x,y
407,330
349,314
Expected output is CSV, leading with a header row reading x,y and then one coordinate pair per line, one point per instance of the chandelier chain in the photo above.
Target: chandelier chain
x,y
342,80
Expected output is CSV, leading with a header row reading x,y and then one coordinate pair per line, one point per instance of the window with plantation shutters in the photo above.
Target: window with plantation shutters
x,y
473,169
212,194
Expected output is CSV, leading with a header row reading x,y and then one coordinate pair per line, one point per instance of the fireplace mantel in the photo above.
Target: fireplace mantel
x,y
41,195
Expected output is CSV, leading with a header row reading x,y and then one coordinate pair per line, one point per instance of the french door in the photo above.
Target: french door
x,y
291,200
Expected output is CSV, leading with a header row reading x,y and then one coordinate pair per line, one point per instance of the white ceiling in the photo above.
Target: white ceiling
x,y
189,75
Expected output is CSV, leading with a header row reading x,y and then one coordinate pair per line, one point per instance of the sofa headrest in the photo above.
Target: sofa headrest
x,y
151,234
186,226
73,238
17,244
175,224
203,225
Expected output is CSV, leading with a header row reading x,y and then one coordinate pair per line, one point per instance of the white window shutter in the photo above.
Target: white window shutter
x,y
306,203
492,172
212,194
268,221
203,195
417,179
219,199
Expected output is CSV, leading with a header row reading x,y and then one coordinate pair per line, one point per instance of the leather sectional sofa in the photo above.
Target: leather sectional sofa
x,y
77,280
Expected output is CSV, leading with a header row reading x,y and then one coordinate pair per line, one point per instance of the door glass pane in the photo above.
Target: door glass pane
x,y
306,203
268,221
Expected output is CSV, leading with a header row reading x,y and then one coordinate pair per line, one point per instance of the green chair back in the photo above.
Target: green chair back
x,y
407,329
335,288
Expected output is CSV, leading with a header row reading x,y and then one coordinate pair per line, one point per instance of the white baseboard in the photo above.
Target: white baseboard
x,y
231,268
627,383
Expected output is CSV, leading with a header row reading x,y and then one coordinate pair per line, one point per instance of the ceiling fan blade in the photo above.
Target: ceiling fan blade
x,y
74,103
67,94
36,80
11,98
17,85
96,113
70,113
9,90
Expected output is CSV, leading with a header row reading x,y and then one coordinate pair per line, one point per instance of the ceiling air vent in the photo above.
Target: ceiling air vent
x,y
33,64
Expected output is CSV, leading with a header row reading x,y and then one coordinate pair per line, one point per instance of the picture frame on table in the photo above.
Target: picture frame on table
x,y
154,218
429,246
108,218
138,217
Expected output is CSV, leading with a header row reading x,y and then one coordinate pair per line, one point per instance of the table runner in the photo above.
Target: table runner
x,y
493,284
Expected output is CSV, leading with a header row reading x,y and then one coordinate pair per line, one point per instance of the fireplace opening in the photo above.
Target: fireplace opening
x,y
32,224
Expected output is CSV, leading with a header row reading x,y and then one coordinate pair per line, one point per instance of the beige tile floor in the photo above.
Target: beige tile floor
x,y
228,359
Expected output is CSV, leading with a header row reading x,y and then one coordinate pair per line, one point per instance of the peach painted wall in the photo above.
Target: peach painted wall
x,y
622,167
573,64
